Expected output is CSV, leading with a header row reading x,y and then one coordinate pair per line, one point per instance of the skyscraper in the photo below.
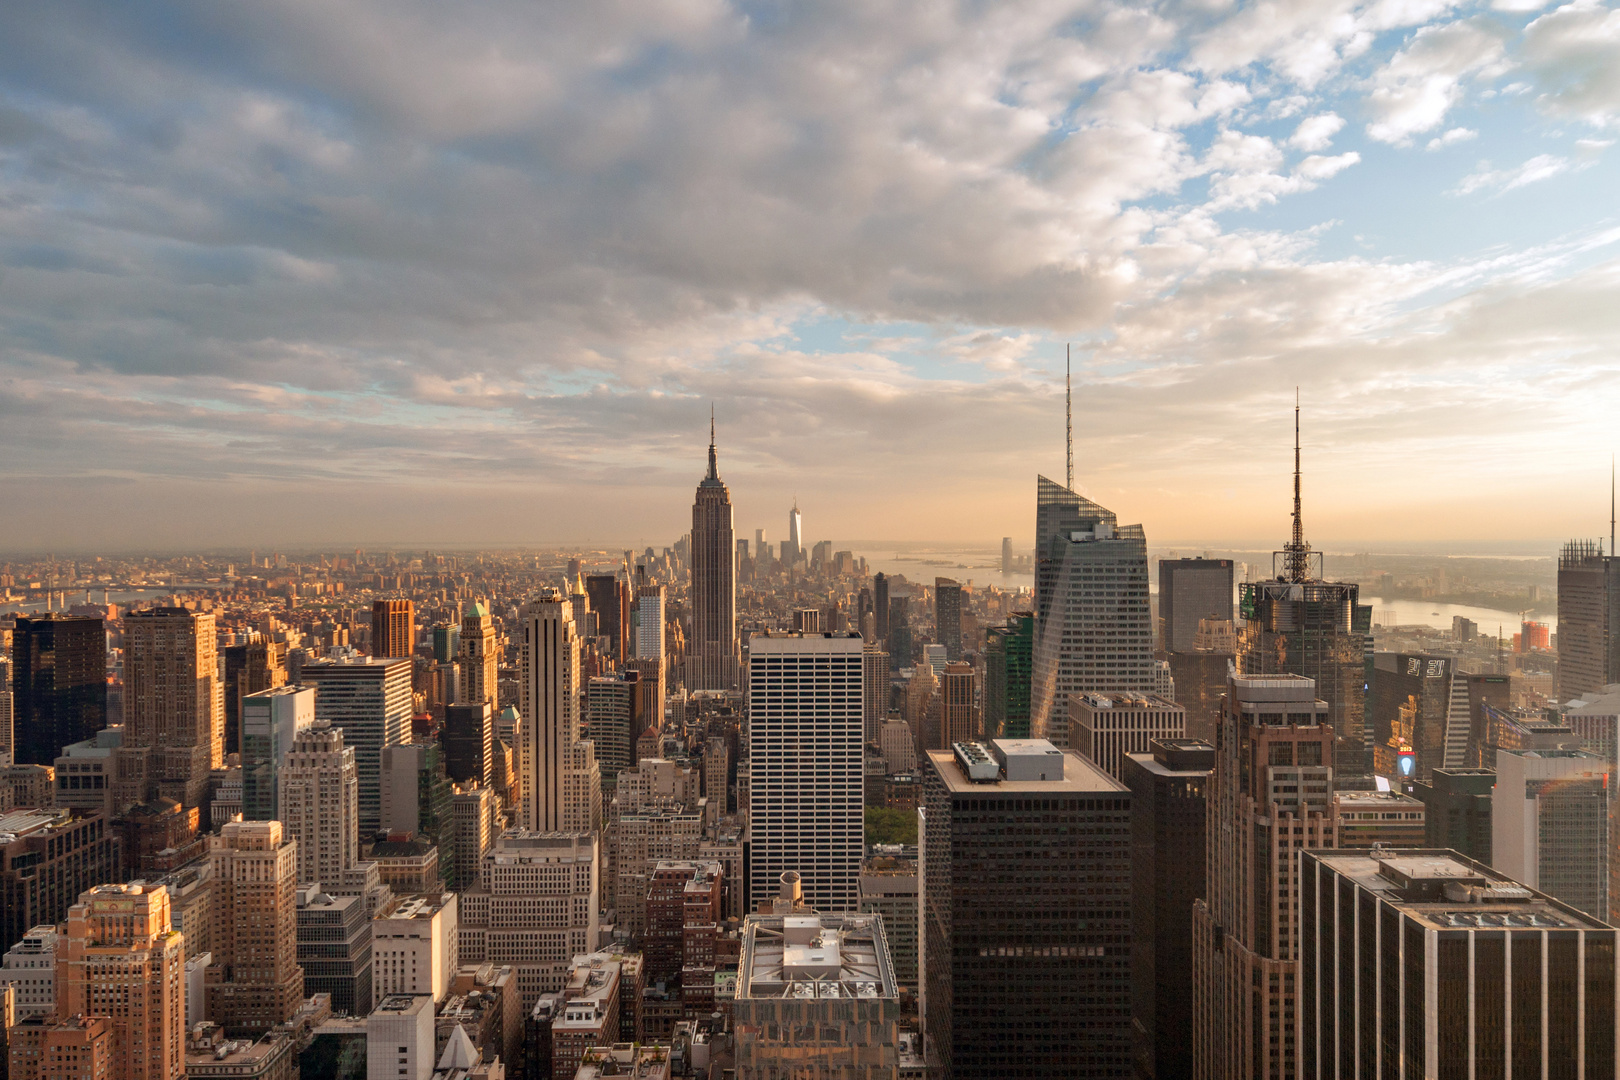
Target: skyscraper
x,y
611,712
948,616
1008,663
805,765
610,600
250,667
1093,629
650,623
320,803
174,701
793,546
1190,590
712,656
548,704
393,628
369,698
1026,927
1550,824
271,720
255,982
480,657
1588,619
1423,963
1298,624
1269,798
874,689
1006,555
469,743
1168,848
122,958
958,716
880,607
58,684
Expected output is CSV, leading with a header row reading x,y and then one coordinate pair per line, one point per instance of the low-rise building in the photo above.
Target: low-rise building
x,y
335,948
589,1015
415,946
210,1056
625,1061
1367,818
484,1000
42,1047
29,968
407,864
399,1038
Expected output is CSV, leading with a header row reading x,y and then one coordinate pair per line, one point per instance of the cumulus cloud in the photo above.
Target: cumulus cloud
x,y
1575,54
1414,90
1452,138
1316,132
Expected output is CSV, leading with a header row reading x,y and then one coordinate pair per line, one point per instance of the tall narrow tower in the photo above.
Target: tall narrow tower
x,y
548,703
1299,624
174,701
480,656
712,656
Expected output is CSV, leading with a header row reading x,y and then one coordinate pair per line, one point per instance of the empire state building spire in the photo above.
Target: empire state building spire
x,y
714,468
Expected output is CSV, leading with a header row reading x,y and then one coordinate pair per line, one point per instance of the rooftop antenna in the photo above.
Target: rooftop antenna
x,y
714,469
1068,418
1611,506
1297,555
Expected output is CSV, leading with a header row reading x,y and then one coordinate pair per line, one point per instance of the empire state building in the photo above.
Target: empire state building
x,y
711,652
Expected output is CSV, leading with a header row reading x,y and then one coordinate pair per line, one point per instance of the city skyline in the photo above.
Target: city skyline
x,y
259,285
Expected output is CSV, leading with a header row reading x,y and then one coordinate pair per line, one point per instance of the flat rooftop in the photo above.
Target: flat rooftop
x,y
1447,891
815,956
1080,777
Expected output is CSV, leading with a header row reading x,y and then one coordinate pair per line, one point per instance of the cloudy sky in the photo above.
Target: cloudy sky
x,y
301,272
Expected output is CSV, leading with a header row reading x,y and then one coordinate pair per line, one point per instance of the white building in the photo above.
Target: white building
x,y
415,947
399,1038
548,707
320,802
196,993
85,771
806,765
29,968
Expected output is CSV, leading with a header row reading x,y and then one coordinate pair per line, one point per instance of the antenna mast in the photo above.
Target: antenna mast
x,y
1611,506
1068,420
1297,555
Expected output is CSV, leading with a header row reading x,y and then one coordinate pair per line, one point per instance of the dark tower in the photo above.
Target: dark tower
x,y
711,652
58,684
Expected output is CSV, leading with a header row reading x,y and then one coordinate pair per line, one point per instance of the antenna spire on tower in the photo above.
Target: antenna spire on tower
x,y
1611,506
1297,555
1068,420
714,467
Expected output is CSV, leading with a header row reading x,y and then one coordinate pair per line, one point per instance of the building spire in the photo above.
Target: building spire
x,y
714,469
1068,420
1297,553
1611,506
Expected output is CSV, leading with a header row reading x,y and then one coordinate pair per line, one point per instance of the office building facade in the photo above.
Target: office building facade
x,y
549,724
320,803
271,721
1423,963
58,684
1169,783
480,657
1588,619
1457,811
393,628
1191,590
1014,988
369,698
948,616
1008,664
1106,727
120,957
468,738
255,982
805,709
1550,824
1094,630
174,703
1269,798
